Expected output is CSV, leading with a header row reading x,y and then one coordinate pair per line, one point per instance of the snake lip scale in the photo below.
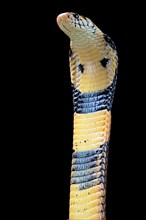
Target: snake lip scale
x,y
93,64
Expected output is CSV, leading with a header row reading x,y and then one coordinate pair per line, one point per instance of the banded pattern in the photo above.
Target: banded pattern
x,y
94,101
93,69
88,166
89,173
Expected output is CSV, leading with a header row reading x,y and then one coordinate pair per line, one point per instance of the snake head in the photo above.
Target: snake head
x,y
75,25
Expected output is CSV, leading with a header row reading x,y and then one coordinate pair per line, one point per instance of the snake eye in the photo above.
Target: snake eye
x,y
76,15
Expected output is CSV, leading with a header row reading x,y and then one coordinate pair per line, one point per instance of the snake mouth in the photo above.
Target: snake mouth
x,y
66,28
62,20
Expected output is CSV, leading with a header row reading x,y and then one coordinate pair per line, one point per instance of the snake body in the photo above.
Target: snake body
x,y
93,68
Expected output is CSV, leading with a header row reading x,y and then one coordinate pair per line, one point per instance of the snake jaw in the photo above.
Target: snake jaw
x,y
63,22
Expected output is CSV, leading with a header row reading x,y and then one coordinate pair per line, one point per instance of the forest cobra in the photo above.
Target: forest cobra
x,y
93,69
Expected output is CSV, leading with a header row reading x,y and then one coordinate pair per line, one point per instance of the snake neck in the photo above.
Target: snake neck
x,y
93,91
91,69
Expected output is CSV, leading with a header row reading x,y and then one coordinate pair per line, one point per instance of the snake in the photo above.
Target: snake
x,y
93,63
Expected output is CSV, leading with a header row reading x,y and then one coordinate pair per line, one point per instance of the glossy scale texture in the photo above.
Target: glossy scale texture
x,y
93,70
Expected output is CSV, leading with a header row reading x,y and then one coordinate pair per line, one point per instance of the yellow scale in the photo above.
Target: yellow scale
x,y
91,130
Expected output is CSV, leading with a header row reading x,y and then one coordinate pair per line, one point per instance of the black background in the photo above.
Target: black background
x,y
41,109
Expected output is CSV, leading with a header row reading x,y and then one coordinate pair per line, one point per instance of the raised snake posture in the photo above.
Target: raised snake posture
x,y
93,68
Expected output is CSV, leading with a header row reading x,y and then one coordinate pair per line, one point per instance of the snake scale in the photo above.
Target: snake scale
x,y
93,69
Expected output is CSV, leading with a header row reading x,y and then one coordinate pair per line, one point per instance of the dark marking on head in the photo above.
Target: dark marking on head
x,y
94,29
76,16
82,23
81,68
109,41
104,62
70,52
87,22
